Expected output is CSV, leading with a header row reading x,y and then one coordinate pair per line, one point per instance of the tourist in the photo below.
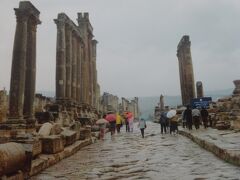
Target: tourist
x,y
163,122
142,125
102,123
173,124
126,121
184,121
111,118
188,116
130,122
196,117
204,115
118,122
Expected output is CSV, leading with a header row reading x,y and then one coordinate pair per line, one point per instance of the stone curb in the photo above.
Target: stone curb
x,y
44,161
230,156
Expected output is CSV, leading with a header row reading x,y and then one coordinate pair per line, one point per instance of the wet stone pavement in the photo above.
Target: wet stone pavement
x,y
128,156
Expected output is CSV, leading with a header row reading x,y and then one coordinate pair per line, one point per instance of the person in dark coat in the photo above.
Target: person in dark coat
x,y
188,116
163,122
204,116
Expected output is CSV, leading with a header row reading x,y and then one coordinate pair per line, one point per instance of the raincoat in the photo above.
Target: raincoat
x,y
118,119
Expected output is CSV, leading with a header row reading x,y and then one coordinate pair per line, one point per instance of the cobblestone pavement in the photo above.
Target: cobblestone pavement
x,y
128,156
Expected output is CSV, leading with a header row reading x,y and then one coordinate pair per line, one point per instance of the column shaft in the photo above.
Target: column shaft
x,y
68,62
78,71
74,67
60,61
30,82
16,96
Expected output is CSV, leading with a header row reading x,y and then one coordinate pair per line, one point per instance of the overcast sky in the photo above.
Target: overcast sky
x,y
138,39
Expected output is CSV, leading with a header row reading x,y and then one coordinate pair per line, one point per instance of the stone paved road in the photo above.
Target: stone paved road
x,y
128,156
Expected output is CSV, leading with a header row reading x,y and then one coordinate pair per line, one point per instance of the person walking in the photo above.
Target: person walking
x,y
126,121
102,123
184,121
204,115
163,122
118,122
196,117
130,121
188,116
142,125
111,118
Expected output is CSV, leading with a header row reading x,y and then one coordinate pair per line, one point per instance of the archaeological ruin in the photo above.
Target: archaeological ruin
x,y
199,87
186,70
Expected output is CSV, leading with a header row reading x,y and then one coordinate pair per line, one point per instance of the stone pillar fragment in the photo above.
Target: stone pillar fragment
x,y
61,59
186,70
161,103
199,87
68,91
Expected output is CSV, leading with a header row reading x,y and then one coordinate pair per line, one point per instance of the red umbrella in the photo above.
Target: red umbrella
x,y
129,115
111,117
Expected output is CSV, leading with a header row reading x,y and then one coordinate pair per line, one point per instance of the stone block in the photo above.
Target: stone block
x,y
85,133
52,144
17,176
56,129
69,136
32,145
45,130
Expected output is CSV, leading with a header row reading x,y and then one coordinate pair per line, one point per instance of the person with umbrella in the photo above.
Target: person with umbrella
x,y
130,121
102,126
111,118
171,115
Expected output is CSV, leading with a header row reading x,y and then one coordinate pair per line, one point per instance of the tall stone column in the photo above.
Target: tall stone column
x,y
60,60
30,82
83,75
90,69
94,73
69,56
161,103
186,70
79,73
199,87
17,84
74,66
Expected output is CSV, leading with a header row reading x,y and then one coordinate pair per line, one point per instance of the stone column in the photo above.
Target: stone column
x,y
199,87
94,73
69,46
17,85
61,60
83,76
161,103
30,82
74,66
79,73
186,70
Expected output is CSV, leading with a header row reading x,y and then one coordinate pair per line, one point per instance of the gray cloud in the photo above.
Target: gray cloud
x,y
137,42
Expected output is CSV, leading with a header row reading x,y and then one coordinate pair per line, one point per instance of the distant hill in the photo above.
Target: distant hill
x,y
147,104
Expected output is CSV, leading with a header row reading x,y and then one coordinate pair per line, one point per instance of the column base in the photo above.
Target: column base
x,y
15,129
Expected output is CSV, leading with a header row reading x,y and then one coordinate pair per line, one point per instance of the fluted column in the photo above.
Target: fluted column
x,y
17,85
30,82
78,95
69,46
74,66
60,60
94,74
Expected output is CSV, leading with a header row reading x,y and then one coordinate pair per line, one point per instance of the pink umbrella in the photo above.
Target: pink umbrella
x,y
111,117
129,115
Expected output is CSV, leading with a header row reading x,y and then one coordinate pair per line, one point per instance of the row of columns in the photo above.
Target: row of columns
x,y
76,76
23,73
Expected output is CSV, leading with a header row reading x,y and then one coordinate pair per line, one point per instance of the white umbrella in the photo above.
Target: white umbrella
x,y
101,121
171,113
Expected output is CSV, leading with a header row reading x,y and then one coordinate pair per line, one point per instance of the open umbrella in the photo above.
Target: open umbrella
x,y
101,121
111,117
171,113
129,115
